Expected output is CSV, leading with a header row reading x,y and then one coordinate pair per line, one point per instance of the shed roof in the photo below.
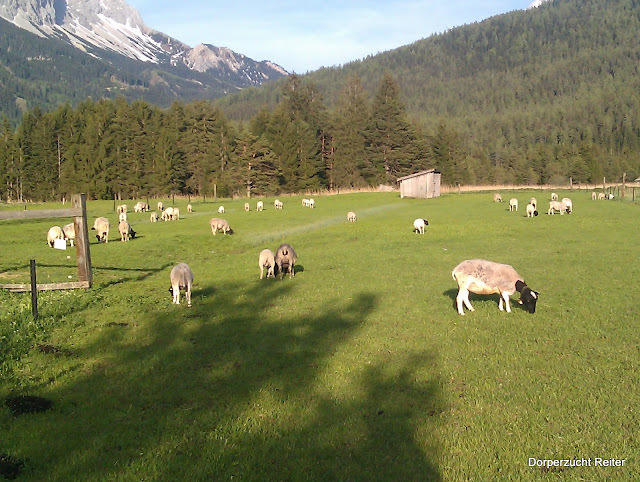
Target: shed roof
x,y
418,174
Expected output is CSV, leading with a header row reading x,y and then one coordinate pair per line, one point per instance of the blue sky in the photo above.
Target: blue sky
x,y
305,35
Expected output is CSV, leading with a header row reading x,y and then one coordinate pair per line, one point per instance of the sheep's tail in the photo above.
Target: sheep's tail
x,y
453,275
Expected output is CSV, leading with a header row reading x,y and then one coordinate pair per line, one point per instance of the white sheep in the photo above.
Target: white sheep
x,y
176,214
305,202
497,198
610,196
55,232
221,210
419,224
594,196
484,277
160,206
122,208
101,225
267,260
513,204
277,204
247,208
567,202
351,217
154,217
312,203
219,224
286,258
140,207
534,201
69,231
122,217
189,208
601,196
167,214
554,196
181,277
531,210
126,232
557,206
259,206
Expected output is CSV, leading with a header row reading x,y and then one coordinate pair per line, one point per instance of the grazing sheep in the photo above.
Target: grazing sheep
x,y
154,217
267,260
305,202
554,196
419,224
122,208
286,257
219,224
497,198
567,202
351,217
312,203
513,204
531,210
167,214
259,206
69,231
247,208
484,277
122,217
176,214
534,201
139,207
601,196
160,206
557,206
277,204
594,196
610,196
101,225
181,277
126,232
189,208
55,232
221,210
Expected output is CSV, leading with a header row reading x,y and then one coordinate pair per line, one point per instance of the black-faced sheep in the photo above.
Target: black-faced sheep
x,y
55,232
567,202
126,232
181,277
160,206
221,210
286,258
154,217
122,208
267,260
531,210
419,224
497,198
487,277
101,226
69,231
259,206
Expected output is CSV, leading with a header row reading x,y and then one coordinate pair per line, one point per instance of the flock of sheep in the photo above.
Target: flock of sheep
x,y
473,276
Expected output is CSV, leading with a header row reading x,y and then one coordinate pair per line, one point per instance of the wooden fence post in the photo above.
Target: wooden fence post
x,y
83,254
34,289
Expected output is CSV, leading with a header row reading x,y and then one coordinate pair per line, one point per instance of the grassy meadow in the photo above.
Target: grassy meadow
x,y
359,368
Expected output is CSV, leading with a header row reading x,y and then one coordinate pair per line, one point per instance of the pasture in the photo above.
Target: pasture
x,y
359,368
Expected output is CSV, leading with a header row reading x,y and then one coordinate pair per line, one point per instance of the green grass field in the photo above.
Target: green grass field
x,y
359,368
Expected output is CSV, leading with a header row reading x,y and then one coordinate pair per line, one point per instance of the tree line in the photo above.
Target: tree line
x,y
116,148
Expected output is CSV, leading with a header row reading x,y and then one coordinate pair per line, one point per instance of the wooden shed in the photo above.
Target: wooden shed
x,y
423,184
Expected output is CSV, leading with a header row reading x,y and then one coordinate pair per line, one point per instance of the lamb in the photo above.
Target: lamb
x,y
497,198
609,196
601,196
69,231
176,214
160,206
122,217
219,224
221,210
55,232
286,257
554,196
305,202
167,214
419,224
101,225
154,217
351,217
531,210
567,202
247,208
181,277
594,196
513,204
122,208
277,204
140,207
557,206
189,208
267,260
484,277
534,201
259,206
126,232
312,203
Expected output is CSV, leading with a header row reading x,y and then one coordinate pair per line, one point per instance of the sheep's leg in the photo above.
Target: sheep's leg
x,y
292,271
188,294
463,297
176,294
500,305
505,296
467,303
262,271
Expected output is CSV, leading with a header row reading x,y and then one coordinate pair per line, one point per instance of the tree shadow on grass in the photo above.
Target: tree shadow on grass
x,y
239,387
